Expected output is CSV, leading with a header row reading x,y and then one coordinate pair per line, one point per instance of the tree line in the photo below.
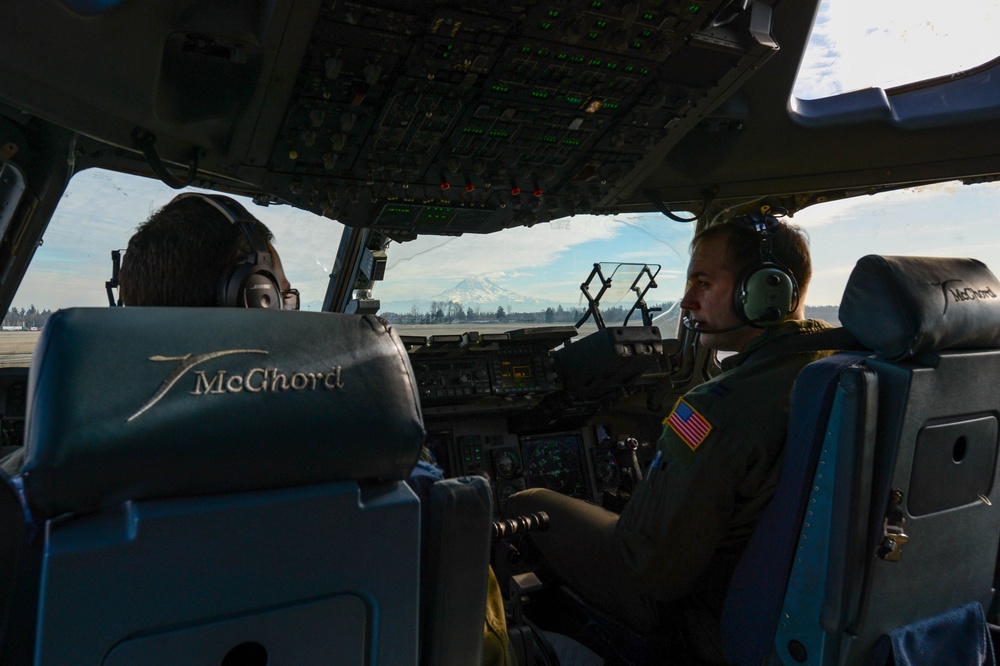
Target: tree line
x,y
26,319
451,312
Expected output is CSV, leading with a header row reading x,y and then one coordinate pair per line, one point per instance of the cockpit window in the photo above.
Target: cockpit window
x,y
100,211
517,278
526,277
943,220
858,44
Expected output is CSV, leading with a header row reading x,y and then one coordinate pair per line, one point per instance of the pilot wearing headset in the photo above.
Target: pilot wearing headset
x,y
185,256
663,566
204,250
200,250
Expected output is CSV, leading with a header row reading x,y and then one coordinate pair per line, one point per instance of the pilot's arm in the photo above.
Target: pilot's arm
x,y
717,465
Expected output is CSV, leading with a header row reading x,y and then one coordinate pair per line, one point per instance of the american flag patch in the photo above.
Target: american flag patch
x,y
689,425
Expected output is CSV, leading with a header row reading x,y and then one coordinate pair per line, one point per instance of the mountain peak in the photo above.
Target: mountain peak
x,y
481,291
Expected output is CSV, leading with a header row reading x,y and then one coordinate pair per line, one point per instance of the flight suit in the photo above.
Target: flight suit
x,y
670,555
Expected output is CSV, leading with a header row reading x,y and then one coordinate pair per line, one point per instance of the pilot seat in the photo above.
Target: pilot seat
x,y
227,487
880,544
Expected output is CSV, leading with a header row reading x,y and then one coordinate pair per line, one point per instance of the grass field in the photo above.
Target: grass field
x,y
18,342
16,348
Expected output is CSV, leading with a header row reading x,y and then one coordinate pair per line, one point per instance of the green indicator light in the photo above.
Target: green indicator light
x,y
610,105
553,13
571,142
526,49
540,95
548,139
498,133
647,16
600,24
611,65
592,35
545,25
500,89
597,4
543,53
644,71
629,68
574,100
694,9
595,63
576,59
562,56
636,45
645,33
472,130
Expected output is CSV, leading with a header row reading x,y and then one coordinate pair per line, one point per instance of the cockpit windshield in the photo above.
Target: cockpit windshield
x,y
517,278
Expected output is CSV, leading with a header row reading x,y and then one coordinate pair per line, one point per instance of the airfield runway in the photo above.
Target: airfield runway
x,y
16,346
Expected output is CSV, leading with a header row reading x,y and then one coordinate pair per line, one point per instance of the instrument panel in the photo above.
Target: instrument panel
x,y
584,463
500,371
416,117
519,409
14,395
505,406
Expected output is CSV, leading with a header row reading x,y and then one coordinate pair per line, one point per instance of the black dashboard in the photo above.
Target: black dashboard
x,y
14,401
537,408
528,408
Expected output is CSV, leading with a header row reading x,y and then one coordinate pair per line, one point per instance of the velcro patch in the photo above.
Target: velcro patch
x,y
689,425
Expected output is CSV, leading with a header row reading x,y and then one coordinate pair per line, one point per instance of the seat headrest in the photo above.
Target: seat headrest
x,y
133,403
902,307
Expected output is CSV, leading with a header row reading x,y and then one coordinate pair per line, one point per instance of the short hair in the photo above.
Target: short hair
x,y
789,247
179,255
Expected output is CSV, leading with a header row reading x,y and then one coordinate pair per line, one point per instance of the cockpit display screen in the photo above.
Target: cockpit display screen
x,y
556,462
515,372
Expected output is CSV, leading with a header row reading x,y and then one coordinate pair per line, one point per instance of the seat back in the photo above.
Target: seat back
x,y
456,559
898,521
223,486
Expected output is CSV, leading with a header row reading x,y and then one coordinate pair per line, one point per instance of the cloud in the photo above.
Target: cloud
x,y
947,219
858,44
509,251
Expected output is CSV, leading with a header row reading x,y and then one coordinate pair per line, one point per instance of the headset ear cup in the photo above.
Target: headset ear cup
x,y
250,286
229,287
765,294
261,291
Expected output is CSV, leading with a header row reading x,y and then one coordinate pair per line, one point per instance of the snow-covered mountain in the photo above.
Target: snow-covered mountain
x,y
486,294
478,293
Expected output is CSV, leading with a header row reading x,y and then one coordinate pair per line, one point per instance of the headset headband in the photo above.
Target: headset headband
x,y
237,215
252,282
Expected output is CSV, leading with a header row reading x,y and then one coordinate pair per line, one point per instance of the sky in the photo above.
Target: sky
x,y
855,44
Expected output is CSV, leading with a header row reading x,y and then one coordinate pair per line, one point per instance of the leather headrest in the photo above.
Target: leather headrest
x,y
132,403
902,307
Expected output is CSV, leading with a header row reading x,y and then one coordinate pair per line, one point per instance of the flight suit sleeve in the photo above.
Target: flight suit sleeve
x,y
682,510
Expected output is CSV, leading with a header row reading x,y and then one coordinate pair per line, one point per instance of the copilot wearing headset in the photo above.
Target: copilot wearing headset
x,y
664,565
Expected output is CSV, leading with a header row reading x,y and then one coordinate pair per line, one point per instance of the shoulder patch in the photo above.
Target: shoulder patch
x,y
689,425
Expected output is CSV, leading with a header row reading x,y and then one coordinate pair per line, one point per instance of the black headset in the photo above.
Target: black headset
x,y
252,282
766,292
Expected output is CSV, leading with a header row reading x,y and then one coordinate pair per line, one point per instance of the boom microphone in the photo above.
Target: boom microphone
x,y
692,327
